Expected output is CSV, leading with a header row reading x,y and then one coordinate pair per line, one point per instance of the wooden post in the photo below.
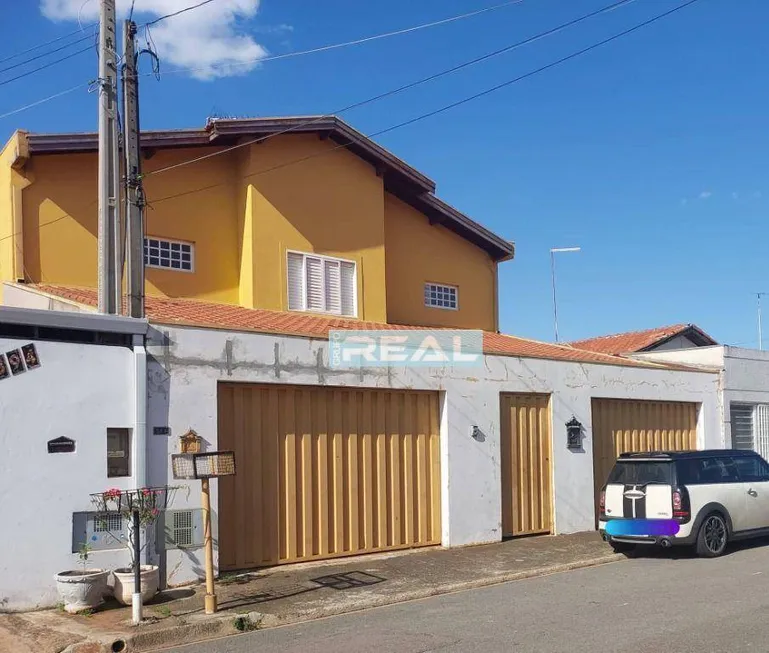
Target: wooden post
x,y
210,600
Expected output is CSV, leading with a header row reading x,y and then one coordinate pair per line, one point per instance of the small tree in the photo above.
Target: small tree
x,y
84,553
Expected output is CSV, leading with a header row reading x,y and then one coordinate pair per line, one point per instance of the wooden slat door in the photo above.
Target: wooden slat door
x,y
625,425
526,464
325,472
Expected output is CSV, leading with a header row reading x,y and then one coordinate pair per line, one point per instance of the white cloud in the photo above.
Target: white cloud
x,y
705,194
735,196
207,39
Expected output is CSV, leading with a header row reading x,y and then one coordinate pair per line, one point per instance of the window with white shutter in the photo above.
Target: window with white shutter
x,y
742,426
750,427
321,284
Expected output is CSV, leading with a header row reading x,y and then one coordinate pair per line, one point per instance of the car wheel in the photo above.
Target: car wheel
x,y
713,536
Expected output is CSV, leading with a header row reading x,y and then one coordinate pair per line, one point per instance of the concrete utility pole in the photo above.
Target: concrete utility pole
x,y
134,192
109,165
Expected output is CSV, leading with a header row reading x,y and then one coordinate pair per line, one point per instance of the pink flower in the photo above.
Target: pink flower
x,y
146,492
155,512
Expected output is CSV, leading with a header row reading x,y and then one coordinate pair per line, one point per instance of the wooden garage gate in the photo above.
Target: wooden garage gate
x,y
526,467
324,472
622,425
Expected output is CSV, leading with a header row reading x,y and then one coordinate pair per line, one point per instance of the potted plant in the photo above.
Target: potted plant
x,y
146,504
82,589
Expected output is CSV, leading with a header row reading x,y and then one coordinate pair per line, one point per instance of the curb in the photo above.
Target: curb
x,y
449,588
205,628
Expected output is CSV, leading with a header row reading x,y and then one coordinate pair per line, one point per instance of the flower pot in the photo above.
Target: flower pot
x,y
82,590
124,583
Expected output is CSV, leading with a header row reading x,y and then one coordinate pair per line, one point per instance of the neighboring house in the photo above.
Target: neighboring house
x,y
743,390
253,259
677,336
67,417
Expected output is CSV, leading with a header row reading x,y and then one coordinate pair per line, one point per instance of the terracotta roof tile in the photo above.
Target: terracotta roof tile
x,y
190,312
630,342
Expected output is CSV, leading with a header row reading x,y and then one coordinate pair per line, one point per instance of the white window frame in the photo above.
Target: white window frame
x,y
441,285
759,425
170,241
322,258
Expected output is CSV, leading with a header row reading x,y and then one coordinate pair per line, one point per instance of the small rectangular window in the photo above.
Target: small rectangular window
x,y
168,254
118,453
440,296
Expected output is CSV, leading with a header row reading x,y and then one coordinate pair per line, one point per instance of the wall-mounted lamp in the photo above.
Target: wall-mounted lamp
x,y
574,434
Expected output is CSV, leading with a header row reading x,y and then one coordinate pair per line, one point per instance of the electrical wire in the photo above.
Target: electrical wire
x,y
131,12
336,46
44,66
470,98
181,11
46,54
405,87
42,45
44,100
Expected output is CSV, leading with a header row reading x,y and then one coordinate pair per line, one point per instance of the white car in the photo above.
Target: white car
x,y
713,496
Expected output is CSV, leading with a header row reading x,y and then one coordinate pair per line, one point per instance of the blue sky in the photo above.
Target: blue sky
x,y
650,153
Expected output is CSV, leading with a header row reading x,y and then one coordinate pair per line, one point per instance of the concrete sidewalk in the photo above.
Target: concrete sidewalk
x,y
297,593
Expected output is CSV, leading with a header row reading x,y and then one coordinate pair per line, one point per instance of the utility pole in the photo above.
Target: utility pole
x,y
134,192
109,164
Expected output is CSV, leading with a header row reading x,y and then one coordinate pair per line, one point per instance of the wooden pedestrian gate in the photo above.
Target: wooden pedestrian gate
x,y
625,425
526,464
325,472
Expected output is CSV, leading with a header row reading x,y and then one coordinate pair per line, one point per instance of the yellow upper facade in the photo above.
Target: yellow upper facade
x,y
320,219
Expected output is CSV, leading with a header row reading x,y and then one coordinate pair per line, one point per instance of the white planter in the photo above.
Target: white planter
x,y
124,583
82,590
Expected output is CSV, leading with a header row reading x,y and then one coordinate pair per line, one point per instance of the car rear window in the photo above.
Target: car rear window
x,y
640,472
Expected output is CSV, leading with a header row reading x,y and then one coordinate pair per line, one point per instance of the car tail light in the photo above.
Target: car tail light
x,y
602,501
677,501
681,508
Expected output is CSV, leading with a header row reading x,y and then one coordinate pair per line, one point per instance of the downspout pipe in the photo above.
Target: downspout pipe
x,y
139,470
139,467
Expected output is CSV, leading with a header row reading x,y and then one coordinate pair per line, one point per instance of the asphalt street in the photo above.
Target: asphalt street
x,y
661,601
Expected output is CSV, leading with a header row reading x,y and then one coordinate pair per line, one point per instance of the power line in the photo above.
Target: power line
x,y
405,87
44,100
447,107
42,45
177,13
314,50
46,54
44,66
336,46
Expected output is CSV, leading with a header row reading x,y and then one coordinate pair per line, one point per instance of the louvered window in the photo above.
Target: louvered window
x,y
750,427
321,284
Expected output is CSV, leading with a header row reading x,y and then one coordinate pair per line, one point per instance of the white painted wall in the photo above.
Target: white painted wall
x,y
78,391
679,342
182,394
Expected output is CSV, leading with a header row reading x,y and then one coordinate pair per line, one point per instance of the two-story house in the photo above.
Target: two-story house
x,y
264,235
319,219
